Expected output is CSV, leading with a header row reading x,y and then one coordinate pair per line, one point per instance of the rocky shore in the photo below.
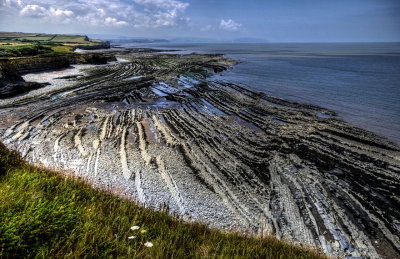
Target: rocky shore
x,y
157,129
11,82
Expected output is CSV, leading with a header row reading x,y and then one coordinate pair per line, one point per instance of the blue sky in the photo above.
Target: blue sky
x,y
271,20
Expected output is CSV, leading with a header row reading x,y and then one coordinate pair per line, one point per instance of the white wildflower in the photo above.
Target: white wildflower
x,y
135,228
148,244
132,237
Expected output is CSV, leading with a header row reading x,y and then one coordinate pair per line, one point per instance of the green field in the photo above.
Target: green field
x,y
14,44
45,215
14,37
24,50
71,39
33,49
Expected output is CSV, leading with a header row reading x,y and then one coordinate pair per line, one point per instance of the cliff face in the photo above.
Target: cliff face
x,y
103,45
11,83
37,64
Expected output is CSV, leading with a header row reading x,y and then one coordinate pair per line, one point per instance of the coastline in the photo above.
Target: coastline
x,y
176,136
357,81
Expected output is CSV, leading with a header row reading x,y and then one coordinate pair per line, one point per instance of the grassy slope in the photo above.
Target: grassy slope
x,y
23,50
43,214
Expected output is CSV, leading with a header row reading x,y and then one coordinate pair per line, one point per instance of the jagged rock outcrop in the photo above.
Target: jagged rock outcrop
x,y
12,84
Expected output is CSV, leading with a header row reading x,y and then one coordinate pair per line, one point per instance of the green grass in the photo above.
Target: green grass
x,y
10,35
14,44
29,49
62,49
32,37
45,215
71,39
23,50
36,38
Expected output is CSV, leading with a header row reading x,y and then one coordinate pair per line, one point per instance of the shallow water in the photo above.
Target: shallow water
x,y
360,81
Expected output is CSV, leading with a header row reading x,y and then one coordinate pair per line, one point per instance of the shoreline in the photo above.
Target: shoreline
x,y
343,115
218,152
274,69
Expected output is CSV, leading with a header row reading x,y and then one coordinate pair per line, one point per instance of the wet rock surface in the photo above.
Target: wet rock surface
x,y
155,129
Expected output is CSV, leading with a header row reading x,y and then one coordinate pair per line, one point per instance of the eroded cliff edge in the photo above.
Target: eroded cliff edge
x,y
158,129
11,82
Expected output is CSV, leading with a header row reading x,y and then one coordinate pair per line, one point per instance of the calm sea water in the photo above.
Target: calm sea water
x,y
361,82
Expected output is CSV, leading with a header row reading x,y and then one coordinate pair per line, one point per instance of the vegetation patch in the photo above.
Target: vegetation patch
x,y
62,49
13,44
23,50
43,214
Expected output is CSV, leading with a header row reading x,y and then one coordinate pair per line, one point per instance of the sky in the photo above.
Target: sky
x,y
268,20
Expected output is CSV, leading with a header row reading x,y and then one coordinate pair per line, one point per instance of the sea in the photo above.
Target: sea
x,y
359,81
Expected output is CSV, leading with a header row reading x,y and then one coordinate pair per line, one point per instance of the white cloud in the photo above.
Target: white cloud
x,y
60,12
49,15
161,13
163,5
109,21
101,12
10,3
118,13
229,25
33,11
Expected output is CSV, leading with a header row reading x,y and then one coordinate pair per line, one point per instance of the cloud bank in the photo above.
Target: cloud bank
x,y
112,13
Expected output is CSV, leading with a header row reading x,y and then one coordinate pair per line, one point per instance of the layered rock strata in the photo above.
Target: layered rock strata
x,y
156,129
